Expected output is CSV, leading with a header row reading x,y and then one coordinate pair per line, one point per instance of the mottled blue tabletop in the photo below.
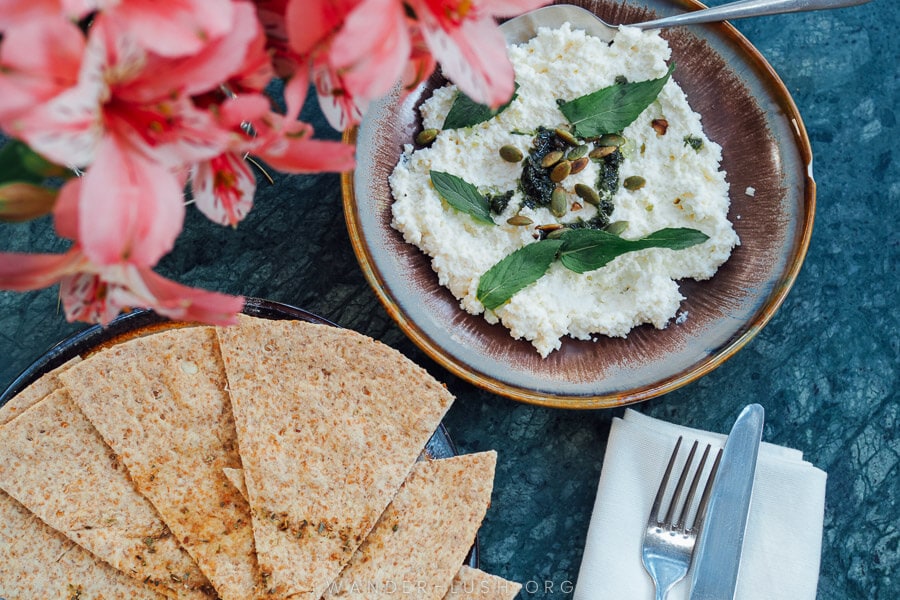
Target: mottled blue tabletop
x,y
825,368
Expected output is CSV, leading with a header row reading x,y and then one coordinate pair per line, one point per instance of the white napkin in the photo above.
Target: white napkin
x,y
782,544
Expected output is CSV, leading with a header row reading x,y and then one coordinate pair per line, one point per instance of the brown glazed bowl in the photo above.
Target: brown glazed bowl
x,y
745,108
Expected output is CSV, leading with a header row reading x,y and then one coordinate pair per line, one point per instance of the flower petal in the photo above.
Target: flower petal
x,y
131,209
21,272
372,48
201,71
184,303
223,188
38,60
15,13
473,56
65,213
172,28
310,22
306,155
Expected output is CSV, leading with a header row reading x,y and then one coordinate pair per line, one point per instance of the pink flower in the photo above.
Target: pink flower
x,y
134,121
97,293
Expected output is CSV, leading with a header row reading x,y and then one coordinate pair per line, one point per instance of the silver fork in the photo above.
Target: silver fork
x,y
668,544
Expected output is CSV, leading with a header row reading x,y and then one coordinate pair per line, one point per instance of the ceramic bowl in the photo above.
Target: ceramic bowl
x,y
766,153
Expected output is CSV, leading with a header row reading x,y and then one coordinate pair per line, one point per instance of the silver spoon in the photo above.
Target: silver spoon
x,y
524,27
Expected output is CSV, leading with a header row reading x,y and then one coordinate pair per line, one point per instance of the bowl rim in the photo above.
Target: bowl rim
x,y
662,386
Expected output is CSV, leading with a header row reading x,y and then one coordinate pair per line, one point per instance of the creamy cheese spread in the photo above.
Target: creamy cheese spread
x,y
685,188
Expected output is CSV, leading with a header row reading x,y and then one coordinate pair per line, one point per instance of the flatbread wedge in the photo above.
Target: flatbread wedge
x,y
30,396
160,403
329,424
421,540
474,584
38,562
55,463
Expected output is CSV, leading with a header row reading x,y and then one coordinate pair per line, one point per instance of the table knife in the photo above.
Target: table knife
x,y
718,556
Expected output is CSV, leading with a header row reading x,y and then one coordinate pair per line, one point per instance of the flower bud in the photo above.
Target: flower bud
x,y
25,201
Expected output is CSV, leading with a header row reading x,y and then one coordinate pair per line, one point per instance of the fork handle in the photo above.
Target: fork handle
x,y
746,8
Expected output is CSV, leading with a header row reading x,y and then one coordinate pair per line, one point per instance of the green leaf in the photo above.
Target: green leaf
x,y
516,272
612,109
588,249
18,162
465,112
462,195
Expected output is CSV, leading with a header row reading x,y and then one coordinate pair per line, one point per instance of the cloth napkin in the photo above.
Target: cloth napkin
x,y
782,543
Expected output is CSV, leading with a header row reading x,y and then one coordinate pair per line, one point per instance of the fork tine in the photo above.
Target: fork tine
x,y
654,511
689,499
704,499
680,485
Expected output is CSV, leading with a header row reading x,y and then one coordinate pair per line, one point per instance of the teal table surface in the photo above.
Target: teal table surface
x,y
825,368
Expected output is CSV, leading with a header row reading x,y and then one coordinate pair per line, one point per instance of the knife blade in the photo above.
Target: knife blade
x,y
718,557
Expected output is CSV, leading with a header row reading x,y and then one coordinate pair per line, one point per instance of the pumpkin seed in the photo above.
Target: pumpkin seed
x,y
510,153
611,139
579,164
558,233
566,136
559,204
616,227
601,152
587,193
426,136
635,182
519,220
578,151
551,158
560,171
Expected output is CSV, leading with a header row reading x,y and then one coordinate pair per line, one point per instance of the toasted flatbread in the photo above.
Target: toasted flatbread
x,y
468,582
419,543
329,424
474,584
55,463
29,396
160,403
37,562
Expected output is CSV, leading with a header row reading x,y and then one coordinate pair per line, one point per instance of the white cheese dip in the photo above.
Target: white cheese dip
x,y
684,188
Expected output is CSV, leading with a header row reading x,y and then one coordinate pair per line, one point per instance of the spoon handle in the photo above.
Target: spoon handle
x,y
745,8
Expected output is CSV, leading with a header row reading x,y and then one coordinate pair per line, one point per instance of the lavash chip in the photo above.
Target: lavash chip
x,y
38,562
160,403
33,393
313,405
422,538
55,463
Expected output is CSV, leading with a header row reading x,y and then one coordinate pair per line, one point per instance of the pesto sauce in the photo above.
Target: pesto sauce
x,y
499,202
535,182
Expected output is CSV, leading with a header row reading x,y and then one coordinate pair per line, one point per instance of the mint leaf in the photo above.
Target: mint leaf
x,y
588,249
612,109
515,272
465,112
462,195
